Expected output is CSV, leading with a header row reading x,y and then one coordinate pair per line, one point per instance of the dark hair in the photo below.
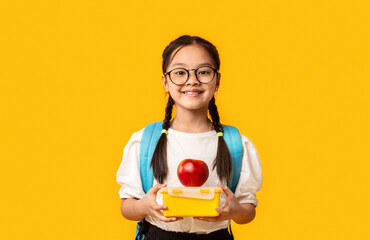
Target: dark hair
x,y
222,162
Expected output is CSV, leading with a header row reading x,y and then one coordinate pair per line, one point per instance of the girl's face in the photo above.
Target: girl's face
x,y
193,95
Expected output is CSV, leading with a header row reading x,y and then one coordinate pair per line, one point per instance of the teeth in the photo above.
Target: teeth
x,y
192,92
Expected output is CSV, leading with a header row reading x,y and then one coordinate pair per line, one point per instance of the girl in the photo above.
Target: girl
x,y
190,77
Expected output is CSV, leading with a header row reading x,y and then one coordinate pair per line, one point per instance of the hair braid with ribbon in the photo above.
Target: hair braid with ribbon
x,y
159,160
222,162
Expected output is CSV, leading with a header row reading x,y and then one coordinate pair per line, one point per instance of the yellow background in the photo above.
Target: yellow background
x,y
79,77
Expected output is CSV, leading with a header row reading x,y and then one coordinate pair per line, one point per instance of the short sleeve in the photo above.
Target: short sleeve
x,y
250,180
128,174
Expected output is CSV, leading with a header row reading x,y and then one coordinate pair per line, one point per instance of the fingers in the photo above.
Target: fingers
x,y
156,210
156,188
159,207
226,190
219,210
224,215
224,211
160,216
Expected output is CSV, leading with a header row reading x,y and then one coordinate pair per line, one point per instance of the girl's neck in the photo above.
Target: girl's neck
x,y
191,122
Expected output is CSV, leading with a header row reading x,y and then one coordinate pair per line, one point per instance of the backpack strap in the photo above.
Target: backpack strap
x,y
141,229
234,144
151,135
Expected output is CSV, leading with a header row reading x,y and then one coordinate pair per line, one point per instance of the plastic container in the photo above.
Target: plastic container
x,y
191,201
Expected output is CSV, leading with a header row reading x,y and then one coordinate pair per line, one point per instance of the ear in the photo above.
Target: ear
x,y
218,81
165,83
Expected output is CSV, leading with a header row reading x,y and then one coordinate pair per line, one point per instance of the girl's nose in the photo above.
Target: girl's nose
x,y
192,79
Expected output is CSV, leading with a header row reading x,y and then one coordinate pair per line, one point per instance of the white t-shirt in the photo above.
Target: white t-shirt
x,y
180,146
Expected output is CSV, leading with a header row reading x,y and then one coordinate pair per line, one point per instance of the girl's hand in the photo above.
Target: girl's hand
x,y
150,207
240,213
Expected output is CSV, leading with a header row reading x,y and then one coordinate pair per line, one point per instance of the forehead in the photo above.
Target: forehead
x,y
191,55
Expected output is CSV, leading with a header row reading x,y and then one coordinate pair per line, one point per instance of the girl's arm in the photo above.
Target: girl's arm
x,y
241,213
245,215
137,209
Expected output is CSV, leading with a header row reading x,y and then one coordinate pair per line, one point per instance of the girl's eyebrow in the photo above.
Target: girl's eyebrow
x,y
199,65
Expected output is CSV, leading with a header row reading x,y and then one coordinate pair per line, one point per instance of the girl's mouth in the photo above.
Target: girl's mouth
x,y
188,93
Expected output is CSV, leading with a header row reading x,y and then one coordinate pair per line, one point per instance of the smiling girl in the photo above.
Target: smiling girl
x,y
190,77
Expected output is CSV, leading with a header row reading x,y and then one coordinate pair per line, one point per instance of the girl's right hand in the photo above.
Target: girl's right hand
x,y
151,208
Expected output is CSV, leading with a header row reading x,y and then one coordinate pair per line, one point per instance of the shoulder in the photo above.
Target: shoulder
x,y
136,136
151,127
250,153
248,143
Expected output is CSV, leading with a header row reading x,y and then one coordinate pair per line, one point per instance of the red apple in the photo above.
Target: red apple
x,y
192,173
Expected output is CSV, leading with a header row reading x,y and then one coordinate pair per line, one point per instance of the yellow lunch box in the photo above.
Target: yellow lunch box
x,y
191,201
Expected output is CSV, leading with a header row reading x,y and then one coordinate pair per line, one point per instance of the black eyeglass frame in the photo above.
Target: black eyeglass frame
x,y
195,72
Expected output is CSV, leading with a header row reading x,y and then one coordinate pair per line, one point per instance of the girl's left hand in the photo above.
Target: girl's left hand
x,y
231,207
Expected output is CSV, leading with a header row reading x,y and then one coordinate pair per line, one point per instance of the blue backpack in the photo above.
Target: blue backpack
x,y
151,135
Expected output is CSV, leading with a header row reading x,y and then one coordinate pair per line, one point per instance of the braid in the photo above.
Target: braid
x,y
222,162
159,159
168,114
214,115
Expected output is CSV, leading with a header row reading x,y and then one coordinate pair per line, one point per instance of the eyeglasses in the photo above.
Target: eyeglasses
x,y
180,76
